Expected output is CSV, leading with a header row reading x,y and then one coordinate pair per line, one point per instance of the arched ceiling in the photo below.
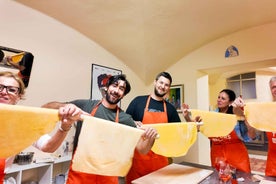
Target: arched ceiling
x,y
151,35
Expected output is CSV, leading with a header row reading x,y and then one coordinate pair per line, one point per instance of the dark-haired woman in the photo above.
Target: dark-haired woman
x,y
231,147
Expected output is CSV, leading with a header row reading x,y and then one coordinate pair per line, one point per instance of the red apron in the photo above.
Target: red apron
x,y
2,169
232,149
145,164
270,169
75,177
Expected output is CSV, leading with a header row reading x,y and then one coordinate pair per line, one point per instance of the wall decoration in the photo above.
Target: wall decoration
x,y
17,61
176,96
231,51
100,75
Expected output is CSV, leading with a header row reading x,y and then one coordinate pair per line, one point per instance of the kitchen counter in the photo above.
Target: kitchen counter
x,y
194,173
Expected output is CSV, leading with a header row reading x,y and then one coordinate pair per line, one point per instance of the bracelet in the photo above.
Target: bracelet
x,y
61,129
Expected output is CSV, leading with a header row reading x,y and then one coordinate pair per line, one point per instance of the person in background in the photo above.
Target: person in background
x,y
231,147
116,88
149,109
12,90
270,169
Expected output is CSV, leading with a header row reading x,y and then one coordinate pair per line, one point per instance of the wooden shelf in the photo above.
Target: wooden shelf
x,y
39,172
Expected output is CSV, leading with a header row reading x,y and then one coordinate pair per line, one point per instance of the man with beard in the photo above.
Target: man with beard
x,y
150,109
116,88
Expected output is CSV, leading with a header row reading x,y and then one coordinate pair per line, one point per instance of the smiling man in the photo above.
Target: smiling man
x,y
150,109
116,88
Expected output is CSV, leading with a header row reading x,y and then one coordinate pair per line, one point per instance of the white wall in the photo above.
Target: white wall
x,y
62,56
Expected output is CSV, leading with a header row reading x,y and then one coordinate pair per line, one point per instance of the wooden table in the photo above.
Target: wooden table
x,y
191,173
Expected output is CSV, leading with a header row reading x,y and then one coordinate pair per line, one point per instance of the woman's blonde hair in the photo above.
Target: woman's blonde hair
x,y
18,79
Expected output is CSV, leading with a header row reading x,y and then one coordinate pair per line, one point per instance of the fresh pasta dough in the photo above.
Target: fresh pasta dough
x,y
22,125
261,115
175,139
105,147
215,124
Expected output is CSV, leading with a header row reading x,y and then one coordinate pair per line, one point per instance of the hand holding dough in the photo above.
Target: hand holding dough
x,y
215,124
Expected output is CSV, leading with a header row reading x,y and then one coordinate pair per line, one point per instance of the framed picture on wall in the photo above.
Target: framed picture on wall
x,y
16,61
99,77
176,96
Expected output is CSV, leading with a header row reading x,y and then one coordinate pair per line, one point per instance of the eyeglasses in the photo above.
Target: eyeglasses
x,y
10,89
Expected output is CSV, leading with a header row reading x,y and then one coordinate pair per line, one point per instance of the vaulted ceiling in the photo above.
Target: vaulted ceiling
x,y
150,35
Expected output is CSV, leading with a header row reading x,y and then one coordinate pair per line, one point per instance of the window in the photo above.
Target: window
x,y
243,84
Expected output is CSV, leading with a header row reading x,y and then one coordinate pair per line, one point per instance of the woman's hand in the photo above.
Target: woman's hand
x,y
186,113
238,102
238,106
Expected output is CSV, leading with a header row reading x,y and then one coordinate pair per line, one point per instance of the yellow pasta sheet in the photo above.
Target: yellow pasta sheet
x,y
22,125
261,116
175,139
215,124
105,147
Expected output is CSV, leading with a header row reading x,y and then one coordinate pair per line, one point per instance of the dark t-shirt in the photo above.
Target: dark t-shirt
x,y
102,112
137,106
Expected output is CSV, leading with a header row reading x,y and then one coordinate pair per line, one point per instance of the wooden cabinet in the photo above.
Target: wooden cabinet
x,y
42,173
